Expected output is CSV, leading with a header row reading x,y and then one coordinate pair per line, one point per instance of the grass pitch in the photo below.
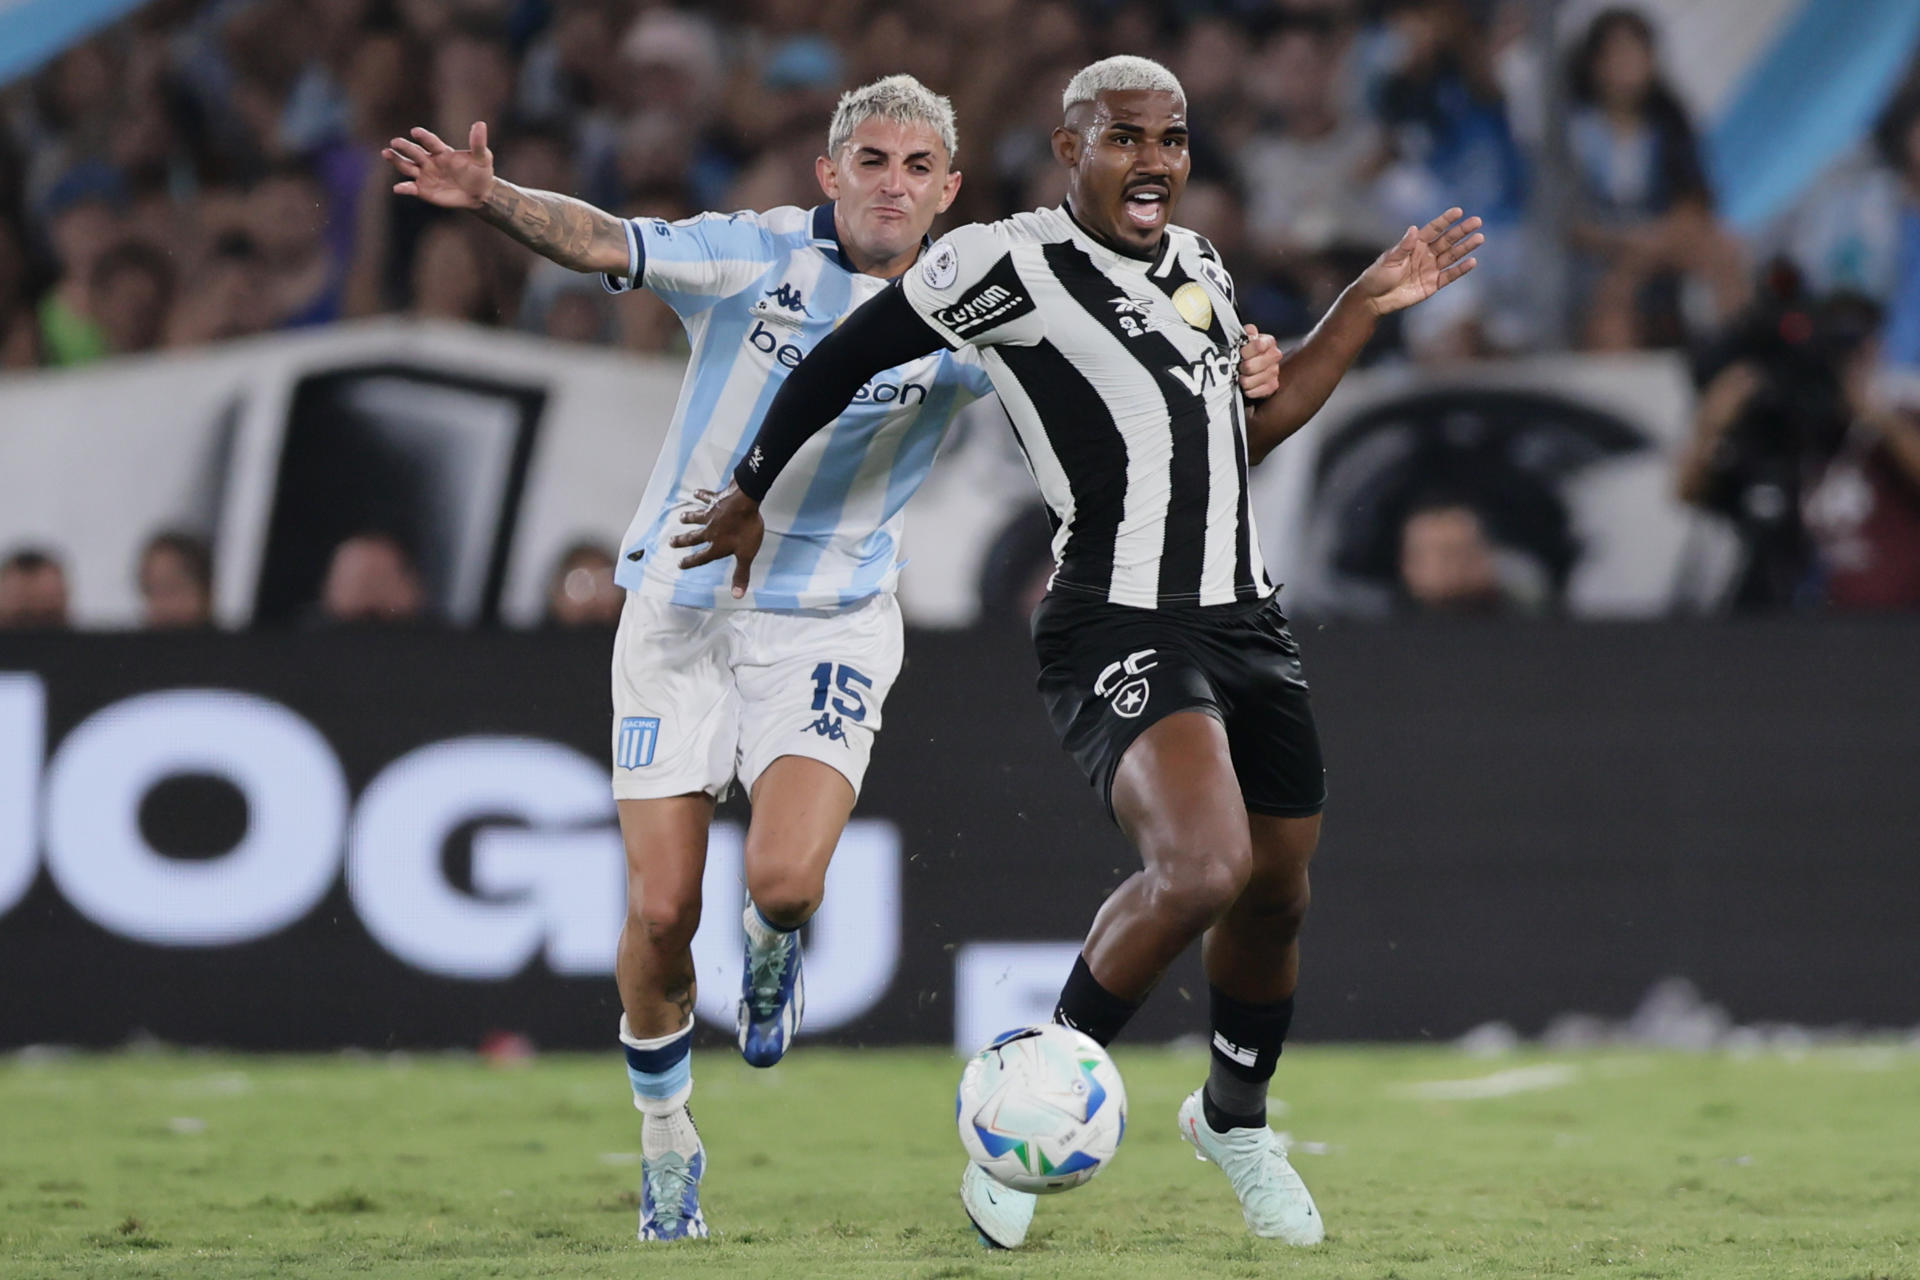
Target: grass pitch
x,y
1426,1163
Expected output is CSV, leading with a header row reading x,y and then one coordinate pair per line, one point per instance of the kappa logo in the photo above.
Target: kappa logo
x,y
943,266
1124,683
787,296
829,727
1201,376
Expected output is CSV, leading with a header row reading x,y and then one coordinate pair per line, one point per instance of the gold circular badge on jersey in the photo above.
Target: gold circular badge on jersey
x,y
1191,301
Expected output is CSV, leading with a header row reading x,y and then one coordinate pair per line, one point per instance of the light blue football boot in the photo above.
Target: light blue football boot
x,y
773,995
1000,1214
1273,1200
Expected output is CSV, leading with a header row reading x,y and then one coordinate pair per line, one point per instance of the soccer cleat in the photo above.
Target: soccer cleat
x,y
670,1197
773,996
999,1213
1275,1203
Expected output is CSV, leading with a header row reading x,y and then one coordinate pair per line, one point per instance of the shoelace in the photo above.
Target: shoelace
x,y
765,969
668,1180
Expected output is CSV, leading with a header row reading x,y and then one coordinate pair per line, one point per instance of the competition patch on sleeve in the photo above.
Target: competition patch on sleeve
x,y
942,266
997,299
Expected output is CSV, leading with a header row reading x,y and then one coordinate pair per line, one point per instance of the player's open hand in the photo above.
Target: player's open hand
x,y
1259,365
730,525
438,174
1426,260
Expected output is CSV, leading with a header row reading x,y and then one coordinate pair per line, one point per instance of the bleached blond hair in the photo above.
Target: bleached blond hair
x,y
901,99
1120,72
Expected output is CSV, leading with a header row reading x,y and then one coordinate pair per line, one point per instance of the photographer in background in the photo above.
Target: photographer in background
x,y
1864,511
1786,401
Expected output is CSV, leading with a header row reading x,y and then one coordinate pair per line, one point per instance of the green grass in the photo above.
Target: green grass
x,y
844,1164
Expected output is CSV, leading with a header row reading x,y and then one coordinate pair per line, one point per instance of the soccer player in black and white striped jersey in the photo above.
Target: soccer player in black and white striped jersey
x,y
1140,401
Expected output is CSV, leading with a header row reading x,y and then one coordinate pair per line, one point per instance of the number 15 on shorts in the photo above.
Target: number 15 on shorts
x,y
827,678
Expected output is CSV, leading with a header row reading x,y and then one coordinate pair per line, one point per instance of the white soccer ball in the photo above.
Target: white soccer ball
x,y
1041,1109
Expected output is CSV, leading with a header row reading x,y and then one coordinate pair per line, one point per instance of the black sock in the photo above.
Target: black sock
x,y
1087,1006
1247,1039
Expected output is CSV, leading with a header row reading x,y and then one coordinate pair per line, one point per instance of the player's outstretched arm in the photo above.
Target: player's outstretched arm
x,y
1426,260
884,332
571,232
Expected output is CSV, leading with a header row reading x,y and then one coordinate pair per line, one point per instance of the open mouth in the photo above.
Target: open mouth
x,y
1147,207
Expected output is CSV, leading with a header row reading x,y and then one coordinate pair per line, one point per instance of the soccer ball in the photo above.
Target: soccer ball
x,y
1041,1109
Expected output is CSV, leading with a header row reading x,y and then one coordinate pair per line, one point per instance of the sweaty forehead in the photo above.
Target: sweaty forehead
x,y
1147,108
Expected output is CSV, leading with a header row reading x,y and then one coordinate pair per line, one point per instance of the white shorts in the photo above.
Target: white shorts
x,y
702,697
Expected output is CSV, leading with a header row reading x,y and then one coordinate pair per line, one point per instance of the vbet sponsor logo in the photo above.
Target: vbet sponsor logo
x,y
767,342
547,869
1215,368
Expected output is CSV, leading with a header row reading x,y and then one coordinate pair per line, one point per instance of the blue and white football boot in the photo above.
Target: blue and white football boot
x,y
773,992
670,1193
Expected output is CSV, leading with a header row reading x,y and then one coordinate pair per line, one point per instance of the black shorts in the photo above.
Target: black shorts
x,y
1108,672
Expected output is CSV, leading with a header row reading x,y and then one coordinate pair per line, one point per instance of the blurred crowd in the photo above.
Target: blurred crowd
x,y
371,579
209,169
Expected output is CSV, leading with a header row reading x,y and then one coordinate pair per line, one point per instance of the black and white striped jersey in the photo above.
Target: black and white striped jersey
x,y
1121,378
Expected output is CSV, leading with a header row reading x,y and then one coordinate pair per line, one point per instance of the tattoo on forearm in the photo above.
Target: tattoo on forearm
x,y
571,232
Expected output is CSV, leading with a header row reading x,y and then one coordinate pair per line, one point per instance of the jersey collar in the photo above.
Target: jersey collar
x,y
1112,255
826,238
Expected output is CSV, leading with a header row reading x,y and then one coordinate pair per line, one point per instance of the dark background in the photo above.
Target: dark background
x,y
1522,821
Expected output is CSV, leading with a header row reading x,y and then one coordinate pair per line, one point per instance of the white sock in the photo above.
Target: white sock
x,y
762,936
668,1126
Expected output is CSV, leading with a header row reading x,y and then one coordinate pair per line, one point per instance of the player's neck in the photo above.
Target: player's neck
x,y
886,268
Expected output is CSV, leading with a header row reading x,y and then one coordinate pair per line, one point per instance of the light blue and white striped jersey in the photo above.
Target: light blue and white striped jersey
x,y
756,291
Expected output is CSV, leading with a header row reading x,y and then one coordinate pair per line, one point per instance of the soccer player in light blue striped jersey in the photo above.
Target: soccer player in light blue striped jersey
x,y
774,681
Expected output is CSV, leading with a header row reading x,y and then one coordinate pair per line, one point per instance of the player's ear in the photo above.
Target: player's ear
x,y
1066,146
828,175
951,190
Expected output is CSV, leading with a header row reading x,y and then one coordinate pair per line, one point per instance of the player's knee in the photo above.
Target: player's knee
x,y
786,896
1199,887
666,919
1281,902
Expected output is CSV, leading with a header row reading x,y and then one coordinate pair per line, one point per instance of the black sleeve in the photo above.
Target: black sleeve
x,y
883,332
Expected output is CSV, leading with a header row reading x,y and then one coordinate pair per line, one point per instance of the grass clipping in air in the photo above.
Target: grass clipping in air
x,y
1424,1162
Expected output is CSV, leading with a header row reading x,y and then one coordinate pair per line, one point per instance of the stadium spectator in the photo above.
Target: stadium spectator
x,y
81,217
33,591
132,291
224,297
1859,229
372,578
1447,562
176,582
1310,173
304,280
1645,222
1447,131
582,592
